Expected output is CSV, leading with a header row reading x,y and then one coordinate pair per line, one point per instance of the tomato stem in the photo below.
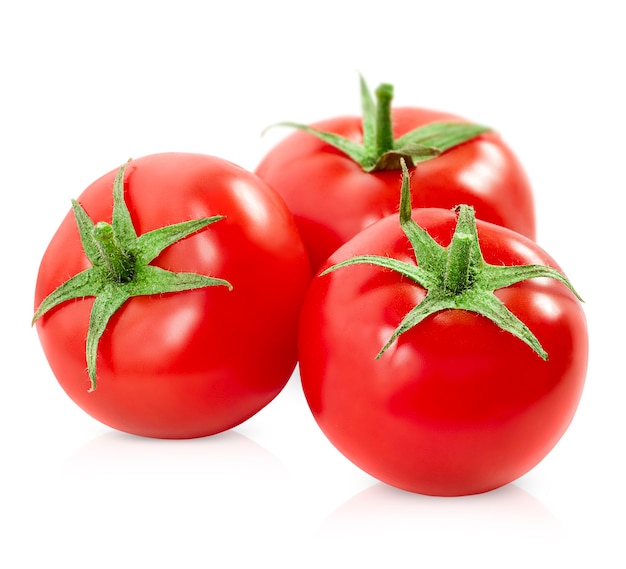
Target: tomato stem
x,y
119,263
384,131
459,253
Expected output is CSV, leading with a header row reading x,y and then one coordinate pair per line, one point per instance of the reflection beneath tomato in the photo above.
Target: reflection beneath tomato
x,y
509,510
228,454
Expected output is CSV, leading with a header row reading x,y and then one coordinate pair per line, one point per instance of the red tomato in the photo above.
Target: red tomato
x,y
333,198
192,363
455,405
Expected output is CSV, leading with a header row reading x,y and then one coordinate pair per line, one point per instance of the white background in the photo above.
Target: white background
x,y
85,86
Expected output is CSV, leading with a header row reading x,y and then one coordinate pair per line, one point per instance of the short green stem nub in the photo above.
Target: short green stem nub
x,y
384,130
119,263
457,276
459,259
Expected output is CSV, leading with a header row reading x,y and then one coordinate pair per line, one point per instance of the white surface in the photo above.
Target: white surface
x,y
86,86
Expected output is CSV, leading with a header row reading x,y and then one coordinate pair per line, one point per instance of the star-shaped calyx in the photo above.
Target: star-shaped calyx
x,y
380,150
121,267
456,276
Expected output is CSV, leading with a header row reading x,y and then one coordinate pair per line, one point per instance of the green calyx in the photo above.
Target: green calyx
x,y
379,150
121,267
456,276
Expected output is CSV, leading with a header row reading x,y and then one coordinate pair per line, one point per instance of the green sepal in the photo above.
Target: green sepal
x,y
108,301
379,150
435,138
123,227
150,245
85,230
85,283
353,149
120,267
457,276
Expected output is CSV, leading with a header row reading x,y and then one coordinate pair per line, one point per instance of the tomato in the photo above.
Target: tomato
x,y
176,362
333,197
453,404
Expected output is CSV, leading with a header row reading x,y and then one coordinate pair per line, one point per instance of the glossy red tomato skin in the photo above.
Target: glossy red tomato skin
x,y
333,199
192,363
456,406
